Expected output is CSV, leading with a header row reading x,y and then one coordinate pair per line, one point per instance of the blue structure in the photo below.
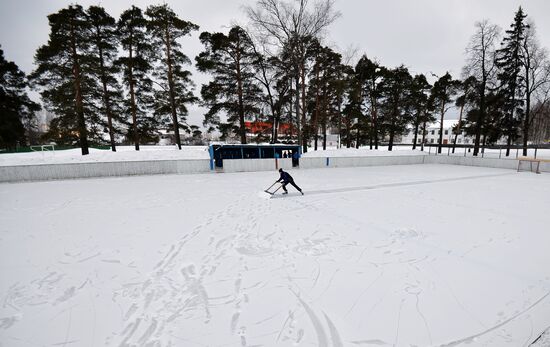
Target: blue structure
x,y
220,152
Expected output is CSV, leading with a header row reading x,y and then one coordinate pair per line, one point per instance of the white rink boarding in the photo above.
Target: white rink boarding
x,y
44,172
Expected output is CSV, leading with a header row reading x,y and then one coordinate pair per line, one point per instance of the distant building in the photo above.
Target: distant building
x,y
285,131
333,140
433,132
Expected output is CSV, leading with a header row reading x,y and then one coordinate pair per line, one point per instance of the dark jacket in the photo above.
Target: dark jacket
x,y
285,177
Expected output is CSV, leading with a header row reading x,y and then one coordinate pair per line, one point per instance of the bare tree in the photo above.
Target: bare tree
x,y
280,23
537,77
480,63
540,129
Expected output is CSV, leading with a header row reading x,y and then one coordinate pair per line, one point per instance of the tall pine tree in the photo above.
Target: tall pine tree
x,y
175,92
230,59
325,96
467,96
443,92
512,81
396,112
371,75
419,102
16,109
135,62
62,69
103,53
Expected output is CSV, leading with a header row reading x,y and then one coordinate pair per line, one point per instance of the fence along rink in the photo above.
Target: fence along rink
x,y
44,172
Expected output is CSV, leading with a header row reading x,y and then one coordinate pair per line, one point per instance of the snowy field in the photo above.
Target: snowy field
x,y
420,255
123,153
127,153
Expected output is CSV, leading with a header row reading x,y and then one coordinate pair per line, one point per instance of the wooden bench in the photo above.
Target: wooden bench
x,y
531,161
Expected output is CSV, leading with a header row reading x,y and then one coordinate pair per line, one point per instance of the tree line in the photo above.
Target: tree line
x,y
128,78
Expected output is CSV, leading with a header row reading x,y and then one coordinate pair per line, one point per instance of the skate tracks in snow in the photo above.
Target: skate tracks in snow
x,y
259,272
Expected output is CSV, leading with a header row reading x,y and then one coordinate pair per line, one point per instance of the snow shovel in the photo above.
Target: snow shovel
x,y
273,192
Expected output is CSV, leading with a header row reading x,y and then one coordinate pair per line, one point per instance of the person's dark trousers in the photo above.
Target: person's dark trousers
x,y
293,184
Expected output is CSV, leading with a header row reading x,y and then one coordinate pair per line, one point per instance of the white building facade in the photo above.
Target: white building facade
x,y
433,132
333,140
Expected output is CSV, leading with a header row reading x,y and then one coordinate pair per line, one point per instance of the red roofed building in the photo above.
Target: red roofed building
x,y
255,128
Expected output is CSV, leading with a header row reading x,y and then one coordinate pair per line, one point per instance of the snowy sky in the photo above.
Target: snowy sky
x,y
425,35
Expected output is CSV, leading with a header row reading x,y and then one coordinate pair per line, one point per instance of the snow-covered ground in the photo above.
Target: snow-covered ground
x,y
362,152
495,153
127,153
420,255
123,153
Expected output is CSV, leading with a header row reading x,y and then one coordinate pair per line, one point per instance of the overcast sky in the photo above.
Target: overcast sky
x,y
425,35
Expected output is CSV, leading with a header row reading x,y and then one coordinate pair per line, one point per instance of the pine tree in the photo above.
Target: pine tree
x,y
334,87
419,102
443,91
324,93
135,62
102,55
340,85
16,109
395,108
165,28
230,59
468,94
353,110
370,75
62,72
512,82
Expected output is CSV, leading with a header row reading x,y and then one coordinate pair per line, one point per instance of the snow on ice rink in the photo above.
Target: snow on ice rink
x,y
420,255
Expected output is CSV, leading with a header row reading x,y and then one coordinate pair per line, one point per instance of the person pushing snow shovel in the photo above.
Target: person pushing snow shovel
x,y
286,179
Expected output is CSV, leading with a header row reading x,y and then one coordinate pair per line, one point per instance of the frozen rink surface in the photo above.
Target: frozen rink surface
x,y
420,255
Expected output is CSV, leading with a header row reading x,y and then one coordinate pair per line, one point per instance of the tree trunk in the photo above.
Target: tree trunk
x,y
527,116
423,136
324,119
416,125
316,114
79,105
441,128
275,130
297,106
374,116
375,127
133,97
508,143
290,108
324,136
458,128
339,123
348,133
276,114
481,116
240,96
106,100
303,74
171,90
392,133
358,134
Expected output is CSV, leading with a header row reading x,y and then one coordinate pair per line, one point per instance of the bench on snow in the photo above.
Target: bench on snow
x,y
531,161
